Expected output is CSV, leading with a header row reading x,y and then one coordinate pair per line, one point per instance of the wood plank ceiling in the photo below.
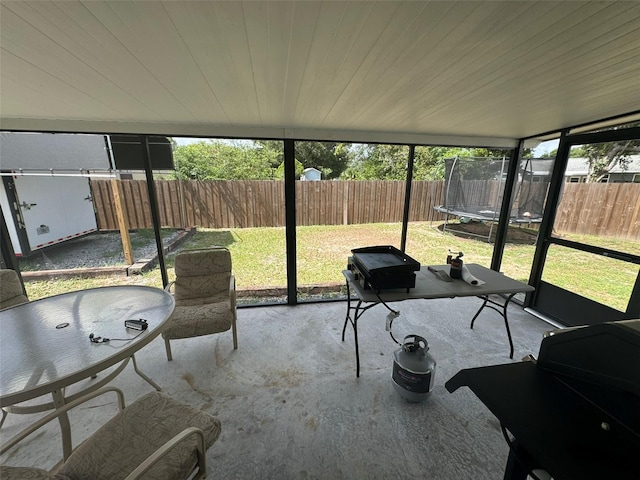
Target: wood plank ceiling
x,y
444,71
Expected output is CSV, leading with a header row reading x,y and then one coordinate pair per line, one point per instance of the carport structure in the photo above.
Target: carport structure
x,y
491,74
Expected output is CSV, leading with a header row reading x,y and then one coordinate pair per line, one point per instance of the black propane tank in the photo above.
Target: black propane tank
x,y
413,369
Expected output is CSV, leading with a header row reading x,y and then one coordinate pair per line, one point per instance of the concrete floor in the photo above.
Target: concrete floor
x,y
292,408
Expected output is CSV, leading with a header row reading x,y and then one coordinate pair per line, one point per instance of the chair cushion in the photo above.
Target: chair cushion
x,y
124,442
207,288
204,261
28,473
10,289
195,320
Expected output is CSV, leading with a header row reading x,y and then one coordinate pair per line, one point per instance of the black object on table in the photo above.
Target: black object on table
x,y
567,414
383,267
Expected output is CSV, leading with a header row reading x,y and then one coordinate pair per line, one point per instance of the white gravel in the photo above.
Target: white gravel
x,y
93,250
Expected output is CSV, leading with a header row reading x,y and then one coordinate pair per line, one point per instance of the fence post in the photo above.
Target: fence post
x,y
123,221
345,203
181,205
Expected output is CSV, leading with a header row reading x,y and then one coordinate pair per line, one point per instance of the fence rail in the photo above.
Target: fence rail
x,y
596,209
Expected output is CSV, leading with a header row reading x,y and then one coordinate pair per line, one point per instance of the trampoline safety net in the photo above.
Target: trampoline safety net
x,y
474,188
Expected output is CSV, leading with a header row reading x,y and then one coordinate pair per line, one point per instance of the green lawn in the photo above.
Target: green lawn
x,y
259,259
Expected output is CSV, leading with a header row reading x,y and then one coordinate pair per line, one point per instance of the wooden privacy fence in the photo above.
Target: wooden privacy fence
x,y
252,203
611,209
605,209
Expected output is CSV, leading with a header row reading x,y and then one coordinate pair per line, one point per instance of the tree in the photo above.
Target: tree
x,y
603,157
264,160
194,161
217,160
389,162
330,158
280,170
272,149
377,162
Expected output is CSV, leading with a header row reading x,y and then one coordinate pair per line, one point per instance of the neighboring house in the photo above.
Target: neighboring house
x,y
311,174
577,171
537,169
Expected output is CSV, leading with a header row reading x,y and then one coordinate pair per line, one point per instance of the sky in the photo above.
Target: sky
x,y
188,140
545,147
185,140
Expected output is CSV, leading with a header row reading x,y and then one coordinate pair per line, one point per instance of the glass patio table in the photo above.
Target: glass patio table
x,y
45,345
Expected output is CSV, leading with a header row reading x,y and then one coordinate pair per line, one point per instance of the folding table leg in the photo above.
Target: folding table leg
x,y
347,317
502,311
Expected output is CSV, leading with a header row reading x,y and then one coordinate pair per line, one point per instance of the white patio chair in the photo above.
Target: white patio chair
x,y
205,295
156,437
11,292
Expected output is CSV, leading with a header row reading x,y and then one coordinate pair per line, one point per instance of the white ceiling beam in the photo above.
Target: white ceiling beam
x,y
246,132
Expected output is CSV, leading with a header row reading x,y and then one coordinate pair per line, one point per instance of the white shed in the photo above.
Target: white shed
x,y
311,174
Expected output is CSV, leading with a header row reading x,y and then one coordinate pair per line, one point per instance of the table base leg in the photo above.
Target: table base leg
x,y
65,426
143,376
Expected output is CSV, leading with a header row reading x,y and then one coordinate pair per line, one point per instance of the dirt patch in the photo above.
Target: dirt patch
x,y
516,234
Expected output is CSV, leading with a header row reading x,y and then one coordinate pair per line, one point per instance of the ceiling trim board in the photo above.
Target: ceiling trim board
x,y
223,131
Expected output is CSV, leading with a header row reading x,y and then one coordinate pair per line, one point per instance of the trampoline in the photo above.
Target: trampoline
x,y
474,188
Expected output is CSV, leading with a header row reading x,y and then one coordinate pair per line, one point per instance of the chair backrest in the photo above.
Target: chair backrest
x,y
11,292
202,276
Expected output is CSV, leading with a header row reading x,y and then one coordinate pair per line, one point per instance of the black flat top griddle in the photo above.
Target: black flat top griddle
x,y
384,259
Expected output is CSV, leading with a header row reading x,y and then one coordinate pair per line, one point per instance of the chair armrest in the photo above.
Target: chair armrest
x,y
156,456
57,412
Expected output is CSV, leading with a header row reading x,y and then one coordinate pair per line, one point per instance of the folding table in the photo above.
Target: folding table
x,y
430,286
